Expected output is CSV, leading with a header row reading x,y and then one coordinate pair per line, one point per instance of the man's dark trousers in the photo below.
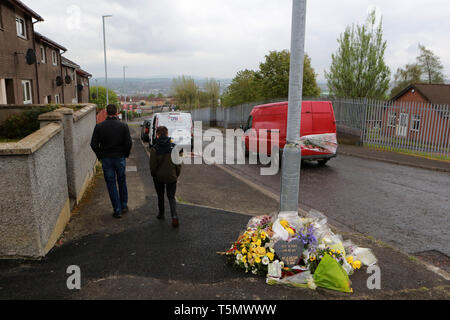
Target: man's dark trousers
x,y
171,189
114,173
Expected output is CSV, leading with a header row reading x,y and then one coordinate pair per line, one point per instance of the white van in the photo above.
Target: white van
x,y
180,128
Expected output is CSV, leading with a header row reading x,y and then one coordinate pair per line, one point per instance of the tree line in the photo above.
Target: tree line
x,y
358,68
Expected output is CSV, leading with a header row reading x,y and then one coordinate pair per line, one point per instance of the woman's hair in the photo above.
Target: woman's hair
x,y
162,131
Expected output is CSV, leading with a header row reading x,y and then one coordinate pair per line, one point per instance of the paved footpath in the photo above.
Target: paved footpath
x,y
140,257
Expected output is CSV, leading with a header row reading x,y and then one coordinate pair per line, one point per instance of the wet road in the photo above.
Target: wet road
x,y
403,206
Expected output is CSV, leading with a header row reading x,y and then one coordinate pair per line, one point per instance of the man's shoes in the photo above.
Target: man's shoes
x,y
117,215
160,216
125,210
175,222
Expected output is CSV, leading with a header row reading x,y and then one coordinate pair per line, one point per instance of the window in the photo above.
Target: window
x,y
43,58
57,98
415,123
21,28
392,119
54,58
26,91
1,18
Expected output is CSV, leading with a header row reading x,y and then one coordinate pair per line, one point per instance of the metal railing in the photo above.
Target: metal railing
x,y
411,127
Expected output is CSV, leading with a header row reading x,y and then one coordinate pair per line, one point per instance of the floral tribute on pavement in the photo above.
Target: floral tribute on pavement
x,y
300,252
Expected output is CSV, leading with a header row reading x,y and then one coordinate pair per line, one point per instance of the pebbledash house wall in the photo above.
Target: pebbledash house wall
x,y
43,176
80,159
34,202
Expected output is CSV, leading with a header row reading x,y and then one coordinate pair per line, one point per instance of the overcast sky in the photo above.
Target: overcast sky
x,y
212,38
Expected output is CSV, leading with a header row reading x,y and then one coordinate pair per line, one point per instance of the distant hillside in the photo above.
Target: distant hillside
x,y
146,86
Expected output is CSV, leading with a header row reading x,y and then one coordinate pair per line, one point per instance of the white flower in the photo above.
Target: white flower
x,y
254,271
239,257
311,284
265,260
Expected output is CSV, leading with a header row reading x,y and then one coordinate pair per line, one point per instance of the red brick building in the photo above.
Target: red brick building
x,y
32,70
18,71
421,113
83,87
49,67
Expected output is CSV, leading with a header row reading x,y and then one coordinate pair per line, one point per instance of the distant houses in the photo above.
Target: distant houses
x,y
32,68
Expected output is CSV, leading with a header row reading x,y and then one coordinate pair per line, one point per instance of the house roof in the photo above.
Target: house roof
x,y
26,9
433,93
48,41
83,73
68,63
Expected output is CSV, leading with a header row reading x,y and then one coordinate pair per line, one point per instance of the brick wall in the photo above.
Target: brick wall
x,y
412,95
13,49
47,73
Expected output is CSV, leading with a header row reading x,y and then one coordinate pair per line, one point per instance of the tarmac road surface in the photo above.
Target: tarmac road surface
x,y
403,206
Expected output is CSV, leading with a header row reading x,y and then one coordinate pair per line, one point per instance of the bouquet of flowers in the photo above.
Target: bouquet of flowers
x,y
252,251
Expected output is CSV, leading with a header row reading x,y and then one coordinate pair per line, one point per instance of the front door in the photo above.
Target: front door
x,y
402,126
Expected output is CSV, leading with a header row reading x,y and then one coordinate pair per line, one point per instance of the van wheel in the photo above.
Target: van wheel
x,y
322,162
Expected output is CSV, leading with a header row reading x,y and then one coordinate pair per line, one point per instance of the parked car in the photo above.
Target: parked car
x,y
180,128
145,129
317,132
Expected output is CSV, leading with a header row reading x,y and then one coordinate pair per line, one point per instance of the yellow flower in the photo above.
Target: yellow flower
x,y
350,259
244,251
290,231
254,239
258,243
338,252
332,250
270,255
261,251
284,223
356,264
257,260
263,235
312,258
244,259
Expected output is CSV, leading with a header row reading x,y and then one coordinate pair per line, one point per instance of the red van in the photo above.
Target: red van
x,y
318,129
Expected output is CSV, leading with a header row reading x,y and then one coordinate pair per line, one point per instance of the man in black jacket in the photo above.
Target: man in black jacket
x,y
112,143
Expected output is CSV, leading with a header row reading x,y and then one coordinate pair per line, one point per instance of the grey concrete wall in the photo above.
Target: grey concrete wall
x,y
33,192
83,157
80,159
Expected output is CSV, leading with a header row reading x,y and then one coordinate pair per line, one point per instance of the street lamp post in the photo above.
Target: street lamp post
x,y
96,85
290,178
104,49
124,94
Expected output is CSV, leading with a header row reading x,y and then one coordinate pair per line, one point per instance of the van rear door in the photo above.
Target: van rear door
x,y
323,118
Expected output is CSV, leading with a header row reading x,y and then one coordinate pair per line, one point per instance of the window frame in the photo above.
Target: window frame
x,y
392,116
43,54
57,99
415,119
24,27
54,58
28,94
1,17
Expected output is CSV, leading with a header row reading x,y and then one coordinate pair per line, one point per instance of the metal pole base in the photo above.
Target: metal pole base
x,y
290,178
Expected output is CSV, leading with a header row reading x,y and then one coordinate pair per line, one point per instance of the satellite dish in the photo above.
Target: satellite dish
x,y
68,79
59,81
30,56
79,87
